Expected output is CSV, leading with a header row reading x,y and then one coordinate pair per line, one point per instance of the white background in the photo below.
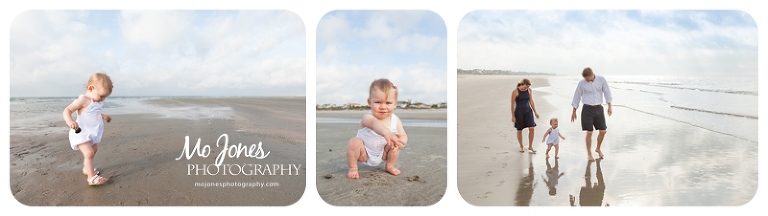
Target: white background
x,y
311,12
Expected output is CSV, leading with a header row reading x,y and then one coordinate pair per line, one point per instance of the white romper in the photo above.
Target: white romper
x,y
375,143
553,137
91,125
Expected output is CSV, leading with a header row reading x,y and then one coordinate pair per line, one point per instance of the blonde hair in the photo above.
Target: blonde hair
x,y
552,120
384,85
100,79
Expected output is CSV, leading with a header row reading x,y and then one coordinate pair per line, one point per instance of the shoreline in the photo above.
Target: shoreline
x,y
435,114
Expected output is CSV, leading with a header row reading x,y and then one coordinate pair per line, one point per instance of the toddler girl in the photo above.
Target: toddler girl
x,y
381,134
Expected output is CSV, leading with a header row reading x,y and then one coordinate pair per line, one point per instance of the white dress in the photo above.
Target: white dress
x,y
91,125
374,143
553,137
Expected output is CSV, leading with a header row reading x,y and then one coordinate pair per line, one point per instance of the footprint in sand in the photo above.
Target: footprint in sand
x,y
504,165
488,173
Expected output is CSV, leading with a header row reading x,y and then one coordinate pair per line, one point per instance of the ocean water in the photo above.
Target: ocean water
x,y
726,105
672,141
30,115
437,123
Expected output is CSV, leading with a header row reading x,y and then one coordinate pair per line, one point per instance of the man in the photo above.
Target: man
x,y
590,92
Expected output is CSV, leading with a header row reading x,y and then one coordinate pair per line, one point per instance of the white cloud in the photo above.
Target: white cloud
x,y
218,53
158,29
656,42
358,47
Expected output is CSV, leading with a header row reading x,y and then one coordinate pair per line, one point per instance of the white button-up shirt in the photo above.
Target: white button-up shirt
x,y
591,93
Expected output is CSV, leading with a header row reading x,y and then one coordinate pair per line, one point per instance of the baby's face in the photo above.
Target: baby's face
x,y
98,93
381,105
553,123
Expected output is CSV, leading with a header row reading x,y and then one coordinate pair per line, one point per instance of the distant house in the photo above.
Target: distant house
x,y
355,105
403,104
442,105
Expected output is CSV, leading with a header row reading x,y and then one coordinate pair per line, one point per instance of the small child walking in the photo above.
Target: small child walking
x,y
552,138
85,133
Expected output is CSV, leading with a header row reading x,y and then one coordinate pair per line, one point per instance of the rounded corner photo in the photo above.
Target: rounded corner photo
x,y
381,108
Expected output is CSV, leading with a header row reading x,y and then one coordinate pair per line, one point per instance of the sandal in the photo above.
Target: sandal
x,y
94,169
532,151
97,180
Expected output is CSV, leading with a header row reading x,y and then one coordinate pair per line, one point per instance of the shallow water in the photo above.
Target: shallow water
x,y
38,115
654,155
439,123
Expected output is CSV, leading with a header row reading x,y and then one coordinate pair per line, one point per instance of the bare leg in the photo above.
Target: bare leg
x,y
520,140
355,153
88,154
530,139
548,148
94,148
391,155
589,146
557,152
600,136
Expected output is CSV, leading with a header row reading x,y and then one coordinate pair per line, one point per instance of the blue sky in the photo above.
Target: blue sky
x,y
356,47
680,43
159,53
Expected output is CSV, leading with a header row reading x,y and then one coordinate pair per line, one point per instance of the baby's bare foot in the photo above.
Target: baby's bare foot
x,y
353,174
393,170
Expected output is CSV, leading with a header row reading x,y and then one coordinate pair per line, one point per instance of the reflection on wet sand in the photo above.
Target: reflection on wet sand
x,y
553,175
591,194
525,188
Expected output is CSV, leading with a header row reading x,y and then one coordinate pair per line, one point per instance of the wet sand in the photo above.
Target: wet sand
x,y
649,160
138,153
424,156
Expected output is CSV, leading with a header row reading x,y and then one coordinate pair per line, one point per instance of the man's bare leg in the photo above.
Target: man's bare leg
x,y
589,145
600,136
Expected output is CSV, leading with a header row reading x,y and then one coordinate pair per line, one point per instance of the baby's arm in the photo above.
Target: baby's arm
x,y
561,135
106,117
371,122
401,134
76,105
546,134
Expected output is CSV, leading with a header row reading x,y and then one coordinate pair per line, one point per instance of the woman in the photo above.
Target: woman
x,y
523,111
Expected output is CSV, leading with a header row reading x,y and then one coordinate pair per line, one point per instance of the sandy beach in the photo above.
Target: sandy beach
x,y
139,151
424,156
649,160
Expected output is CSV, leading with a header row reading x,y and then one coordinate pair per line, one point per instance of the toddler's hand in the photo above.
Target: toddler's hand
x,y
392,140
400,144
108,118
74,126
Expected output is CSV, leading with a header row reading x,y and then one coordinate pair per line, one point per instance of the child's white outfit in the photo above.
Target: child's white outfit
x,y
91,125
553,137
375,143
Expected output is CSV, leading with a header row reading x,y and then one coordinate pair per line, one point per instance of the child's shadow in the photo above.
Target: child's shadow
x,y
553,175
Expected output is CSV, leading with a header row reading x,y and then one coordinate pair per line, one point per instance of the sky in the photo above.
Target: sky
x,y
159,53
354,48
678,43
